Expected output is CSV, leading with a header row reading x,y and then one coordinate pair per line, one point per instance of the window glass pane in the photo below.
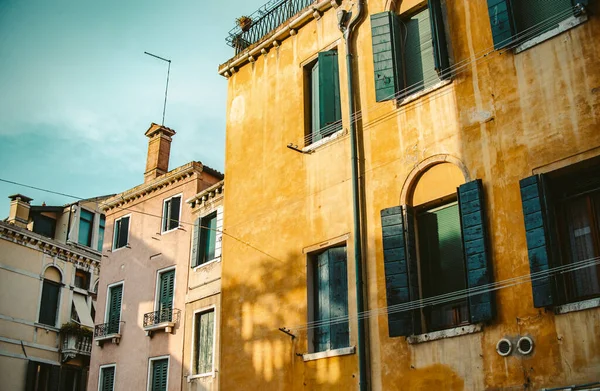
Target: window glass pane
x,y
49,303
86,220
204,329
534,17
208,237
121,232
44,225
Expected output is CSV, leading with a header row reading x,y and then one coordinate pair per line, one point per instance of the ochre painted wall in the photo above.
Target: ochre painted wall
x,y
504,116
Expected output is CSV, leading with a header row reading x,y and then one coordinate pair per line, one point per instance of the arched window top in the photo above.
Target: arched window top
x,y
400,6
53,274
438,181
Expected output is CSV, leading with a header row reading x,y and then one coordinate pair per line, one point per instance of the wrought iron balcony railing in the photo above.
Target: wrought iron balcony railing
x,y
105,330
74,344
263,21
167,315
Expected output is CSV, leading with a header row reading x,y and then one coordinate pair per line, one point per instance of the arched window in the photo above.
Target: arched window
x,y
50,297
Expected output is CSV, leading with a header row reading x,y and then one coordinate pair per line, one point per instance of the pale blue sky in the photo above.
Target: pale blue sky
x,y
77,92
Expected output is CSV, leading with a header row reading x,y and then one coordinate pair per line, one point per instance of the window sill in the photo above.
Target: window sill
x,y
215,260
417,95
114,250
171,230
329,353
442,334
312,147
579,306
167,327
201,376
563,26
47,327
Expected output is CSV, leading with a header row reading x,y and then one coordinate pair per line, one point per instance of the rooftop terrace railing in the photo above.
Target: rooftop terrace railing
x,y
263,21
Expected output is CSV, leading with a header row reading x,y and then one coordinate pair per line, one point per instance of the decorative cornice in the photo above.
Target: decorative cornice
x,y
65,252
205,195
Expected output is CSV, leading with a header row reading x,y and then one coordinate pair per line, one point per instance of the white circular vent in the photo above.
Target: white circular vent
x,y
504,347
525,345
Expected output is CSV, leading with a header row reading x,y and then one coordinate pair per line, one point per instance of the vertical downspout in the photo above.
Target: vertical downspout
x,y
362,358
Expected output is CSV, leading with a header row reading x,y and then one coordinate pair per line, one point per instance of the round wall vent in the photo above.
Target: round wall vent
x,y
525,345
504,347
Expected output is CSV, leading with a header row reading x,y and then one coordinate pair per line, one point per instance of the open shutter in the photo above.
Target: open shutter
x,y
475,247
401,283
174,213
219,232
387,59
195,243
322,332
338,299
538,246
329,93
501,20
438,37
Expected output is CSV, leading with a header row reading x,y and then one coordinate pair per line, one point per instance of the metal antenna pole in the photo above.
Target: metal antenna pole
x,y
167,86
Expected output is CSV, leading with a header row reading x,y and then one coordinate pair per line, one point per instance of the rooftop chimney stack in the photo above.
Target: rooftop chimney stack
x,y
159,149
19,210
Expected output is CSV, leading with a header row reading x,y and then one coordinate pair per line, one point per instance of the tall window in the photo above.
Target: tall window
x,y
113,308
330,299
107,378
207,239
159,374
50,297
121,232
41,376
324,97
82,279
204,328
101,232
171,213
166,291
86,227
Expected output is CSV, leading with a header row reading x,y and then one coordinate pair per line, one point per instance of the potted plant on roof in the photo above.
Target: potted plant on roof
x,y
244,22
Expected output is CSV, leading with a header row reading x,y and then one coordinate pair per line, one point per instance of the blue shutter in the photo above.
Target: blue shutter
x,y
387,58
475,246
401,277
502,23
338,300
538,246
438,37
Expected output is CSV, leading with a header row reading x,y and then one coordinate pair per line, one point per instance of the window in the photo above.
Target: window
x,y
562,220
107,378
206,247
82,279
518,21
171,213
50,297
101,232
41,376
410,51
113,309
323,98
204,329
121,233
165,296
437,249
86,227
44,225
159,374
329,299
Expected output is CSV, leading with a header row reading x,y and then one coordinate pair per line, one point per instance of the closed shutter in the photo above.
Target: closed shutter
x,y
31,375
49,303
387,58
538,245
338,301
535,17
440,46
400,282
419,65
204,346
160,373
502,23
322,332
54,378
195,243
114,311
107,379
329,94
475,246
167,287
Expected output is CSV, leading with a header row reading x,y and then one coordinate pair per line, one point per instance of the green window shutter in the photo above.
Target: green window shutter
x,y
338,300
438,37
322,332
502,22
166,217
535,17
330,110
167,288
107,379
195,243
219,232
476,250
123,232
315,111
160,373
204,341
387,55
114,309
49,303
401,276
101,232
208,237
86,224
419,64
538,245
175,207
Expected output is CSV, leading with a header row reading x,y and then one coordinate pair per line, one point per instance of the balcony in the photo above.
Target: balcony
x,y
74,344
110,331
161,320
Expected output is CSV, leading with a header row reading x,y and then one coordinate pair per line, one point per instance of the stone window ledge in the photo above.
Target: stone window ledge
x,y
563,26
448,333
329,353
579,306
312,147
413,97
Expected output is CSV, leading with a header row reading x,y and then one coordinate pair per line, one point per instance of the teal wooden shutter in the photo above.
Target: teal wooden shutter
x,y
86,225
167,287
338,300
195,243
387,55
322,332
329,93
101,232
123,232
160,373
315,111
419,64
535,17
538,245
49,303
475,246
211,235
174,212
107,380
114,309
401,280
204,341
502,23
438,37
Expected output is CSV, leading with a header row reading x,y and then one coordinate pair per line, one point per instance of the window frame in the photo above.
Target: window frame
x,y
107,302
163,217
195,351
151,369
116,232
101,368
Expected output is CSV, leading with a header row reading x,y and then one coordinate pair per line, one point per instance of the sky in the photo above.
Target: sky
x,y
78,92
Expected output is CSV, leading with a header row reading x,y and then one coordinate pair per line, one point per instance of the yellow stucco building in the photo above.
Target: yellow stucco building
x,y
446,235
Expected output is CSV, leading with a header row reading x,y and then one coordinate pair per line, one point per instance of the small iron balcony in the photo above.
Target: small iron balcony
x,y
164,319
108,331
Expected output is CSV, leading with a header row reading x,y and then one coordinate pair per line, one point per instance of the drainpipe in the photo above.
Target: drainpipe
x,y
362,353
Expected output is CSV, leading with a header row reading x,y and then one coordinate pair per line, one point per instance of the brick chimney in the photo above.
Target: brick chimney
x,y
159,149
19,210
